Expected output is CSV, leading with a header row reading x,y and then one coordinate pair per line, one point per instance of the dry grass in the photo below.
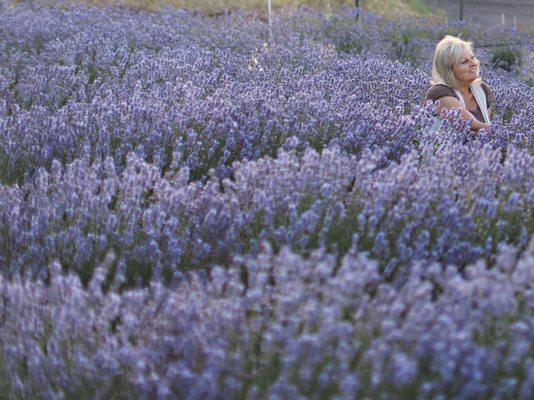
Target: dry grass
x,y
386,8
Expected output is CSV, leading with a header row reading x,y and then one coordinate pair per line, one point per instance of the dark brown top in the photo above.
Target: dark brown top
x,y
438,91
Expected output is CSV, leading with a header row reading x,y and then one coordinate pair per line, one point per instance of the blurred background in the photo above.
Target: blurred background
x,y
518,13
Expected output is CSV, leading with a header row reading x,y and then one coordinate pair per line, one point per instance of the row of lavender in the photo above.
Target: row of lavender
x,y
389,300
446,202
183,90
368,250
278,327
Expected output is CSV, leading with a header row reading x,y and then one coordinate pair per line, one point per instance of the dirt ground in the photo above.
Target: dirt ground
x,y
519,12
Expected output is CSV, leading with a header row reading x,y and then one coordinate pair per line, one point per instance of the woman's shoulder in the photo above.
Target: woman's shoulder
x,y
438,91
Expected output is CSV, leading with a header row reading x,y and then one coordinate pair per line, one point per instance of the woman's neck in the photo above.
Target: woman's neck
x,y
464,88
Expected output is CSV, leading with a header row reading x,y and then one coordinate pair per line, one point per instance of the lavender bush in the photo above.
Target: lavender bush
x,y
188,210
276,326
452,204
171,87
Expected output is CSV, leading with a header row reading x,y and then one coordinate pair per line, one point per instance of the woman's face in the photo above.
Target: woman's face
x,y
467,70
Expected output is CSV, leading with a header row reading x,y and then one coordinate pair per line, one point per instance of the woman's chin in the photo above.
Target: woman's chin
x,y
467,80
471,79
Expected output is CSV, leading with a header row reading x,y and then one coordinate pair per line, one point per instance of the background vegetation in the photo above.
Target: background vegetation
x,y
388,8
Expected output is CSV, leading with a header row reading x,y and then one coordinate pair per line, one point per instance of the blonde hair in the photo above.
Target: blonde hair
x,y
448,54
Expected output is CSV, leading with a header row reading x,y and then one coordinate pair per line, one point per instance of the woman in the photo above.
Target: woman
x,y
456,83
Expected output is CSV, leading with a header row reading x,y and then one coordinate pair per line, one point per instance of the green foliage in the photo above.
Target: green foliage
x,y
407,45
507,58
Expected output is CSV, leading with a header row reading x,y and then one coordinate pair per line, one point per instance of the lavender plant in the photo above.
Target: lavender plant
x,y
169,85
190,211
420,208
276,326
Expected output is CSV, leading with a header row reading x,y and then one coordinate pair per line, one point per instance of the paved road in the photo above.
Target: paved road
x,y
489,11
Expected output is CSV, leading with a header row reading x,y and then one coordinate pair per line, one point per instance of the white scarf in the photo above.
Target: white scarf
x,y
480,98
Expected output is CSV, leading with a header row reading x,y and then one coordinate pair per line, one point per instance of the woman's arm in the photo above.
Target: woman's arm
x,y
450,103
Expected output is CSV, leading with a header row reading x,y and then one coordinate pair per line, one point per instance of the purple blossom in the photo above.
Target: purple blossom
x,y
190,211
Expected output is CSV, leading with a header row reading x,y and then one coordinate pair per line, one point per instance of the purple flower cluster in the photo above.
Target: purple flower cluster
x,y
454,204
276,326
177,88
188,210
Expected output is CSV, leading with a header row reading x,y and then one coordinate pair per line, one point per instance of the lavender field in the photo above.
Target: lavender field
x,y
192,209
